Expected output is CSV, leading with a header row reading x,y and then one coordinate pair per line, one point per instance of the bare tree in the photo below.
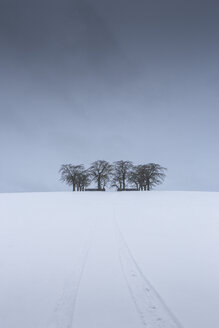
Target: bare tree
x,y
116,181
155,175
70,174
135,177
142,177
83,180
121,171
100,172
146,176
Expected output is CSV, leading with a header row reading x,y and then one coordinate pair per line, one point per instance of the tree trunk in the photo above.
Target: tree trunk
x,y
123,183
99,184
148,185
73,186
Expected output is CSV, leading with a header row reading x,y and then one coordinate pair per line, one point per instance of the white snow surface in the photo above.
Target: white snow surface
x,y
109,260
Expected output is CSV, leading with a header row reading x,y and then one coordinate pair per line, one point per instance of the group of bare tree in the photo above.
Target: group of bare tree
x,y
122,175
75,176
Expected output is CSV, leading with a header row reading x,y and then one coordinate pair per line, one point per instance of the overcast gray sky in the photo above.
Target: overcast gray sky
x,y
108,79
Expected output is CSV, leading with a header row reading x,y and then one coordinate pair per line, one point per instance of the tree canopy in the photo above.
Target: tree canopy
x,y
122,175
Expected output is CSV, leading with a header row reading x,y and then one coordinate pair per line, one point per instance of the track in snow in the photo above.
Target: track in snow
x,y
151,309
63,316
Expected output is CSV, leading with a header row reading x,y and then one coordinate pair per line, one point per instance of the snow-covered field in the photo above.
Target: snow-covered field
x,y
109,260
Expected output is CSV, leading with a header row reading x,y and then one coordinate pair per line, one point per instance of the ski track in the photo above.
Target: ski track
x,y
63,316
151,309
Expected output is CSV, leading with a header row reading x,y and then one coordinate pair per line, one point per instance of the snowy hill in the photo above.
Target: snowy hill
x,y
104,260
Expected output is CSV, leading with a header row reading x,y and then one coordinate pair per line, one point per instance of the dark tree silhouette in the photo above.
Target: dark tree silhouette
x,y
116,181
121,170
74,175
154,174
100,172
146,176
135,177
83,180
142,177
